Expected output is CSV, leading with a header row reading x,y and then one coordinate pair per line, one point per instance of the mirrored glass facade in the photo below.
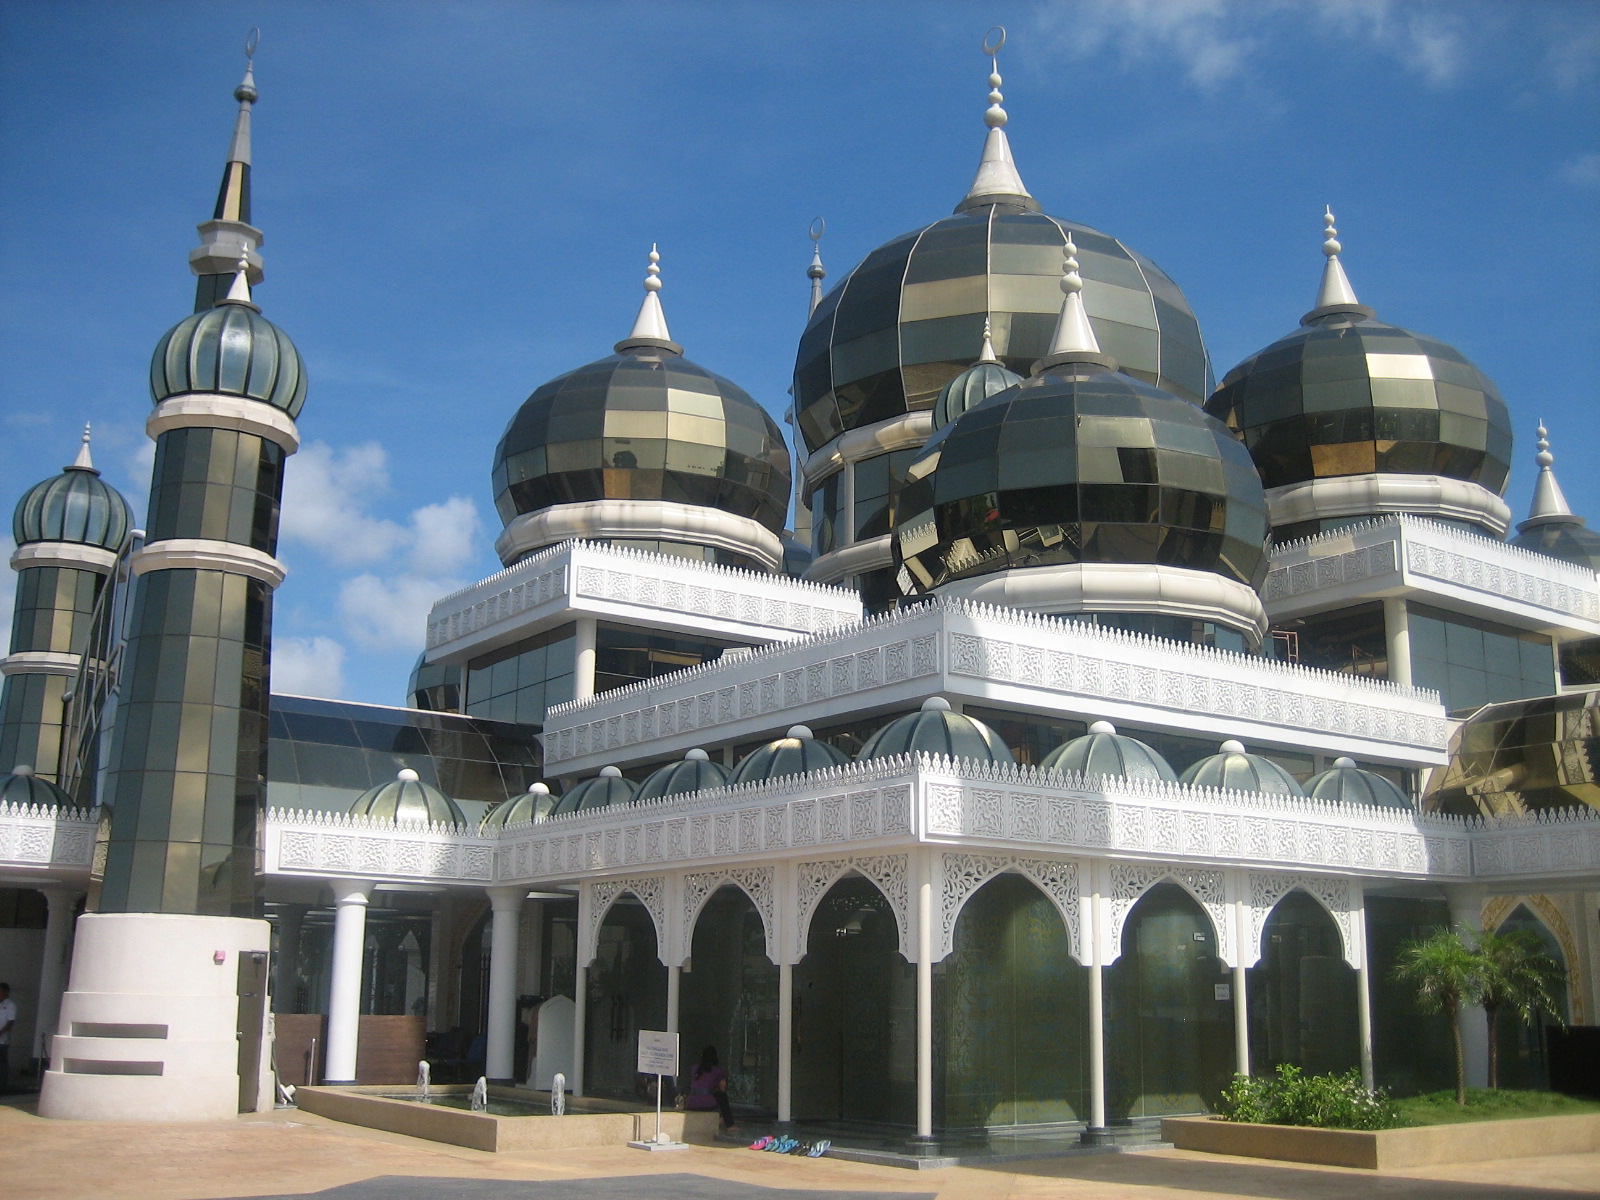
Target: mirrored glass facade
x,y
1473,662
53,611
1302,993
643,425
1523,756
520,681
1352,396
728,998
878,483
910,317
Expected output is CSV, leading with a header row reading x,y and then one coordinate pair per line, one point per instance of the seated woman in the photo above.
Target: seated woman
x,y
708,1089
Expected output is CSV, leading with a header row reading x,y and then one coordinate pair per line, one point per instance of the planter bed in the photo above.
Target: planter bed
x,y
1388,1149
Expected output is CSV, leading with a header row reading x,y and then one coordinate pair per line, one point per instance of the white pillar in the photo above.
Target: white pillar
x,y
674,975
579,1020
925,997
1466,913
500,1050
785,1042
344,995
438,954
1097,1021
583,656
1397,635
1241,996
1364,996
53,970
285,969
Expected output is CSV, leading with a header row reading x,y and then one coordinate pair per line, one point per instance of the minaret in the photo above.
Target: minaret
x,y
816,272
68,530
186,783
229,234
997,180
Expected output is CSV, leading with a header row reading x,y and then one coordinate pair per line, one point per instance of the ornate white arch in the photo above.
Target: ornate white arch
x,y
889,873
651,892
963,874
1130,881
1267,888
754,882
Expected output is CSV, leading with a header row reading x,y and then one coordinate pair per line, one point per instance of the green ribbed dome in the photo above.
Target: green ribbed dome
x,y
604,790
407,799
970,389
23,787
1231,767
231,350
74,506
936,730
535,804
1104,751
1347,783
796,753
694,774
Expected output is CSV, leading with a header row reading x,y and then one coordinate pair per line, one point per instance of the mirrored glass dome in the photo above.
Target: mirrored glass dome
x,y
231,350
1346,783
793,754
970,389
74,506
1234,768
406,798
606,788
910,317
1104,751
935,729
694,773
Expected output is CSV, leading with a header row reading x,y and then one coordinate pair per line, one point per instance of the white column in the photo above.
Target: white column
x,y
1241,996
53,970
925,996
344,995
673,977
1097,1021
1466,913
579,1019
1364,994
785,1042
438,955
1397,634
285,970
504,938
583,659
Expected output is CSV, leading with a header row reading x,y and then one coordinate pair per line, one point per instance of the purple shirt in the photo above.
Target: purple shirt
x,y
702,1087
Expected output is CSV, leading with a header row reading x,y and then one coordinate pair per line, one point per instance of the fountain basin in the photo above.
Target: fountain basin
x,y
588,1121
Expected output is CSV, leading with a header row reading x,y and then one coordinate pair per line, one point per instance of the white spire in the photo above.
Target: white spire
x,y
816,272
1074,334
239,292
651,323
987,354
1548,500
83,462
1336,289
246,95
997,177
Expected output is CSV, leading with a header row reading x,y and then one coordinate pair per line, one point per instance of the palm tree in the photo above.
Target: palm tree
x,y
1447,974
1516,973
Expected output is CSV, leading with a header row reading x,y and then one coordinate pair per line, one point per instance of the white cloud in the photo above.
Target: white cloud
x,y
390,614
310,666
1583,170
326,492
441,537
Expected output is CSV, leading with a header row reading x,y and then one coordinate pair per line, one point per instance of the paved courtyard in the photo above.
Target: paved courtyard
x,y
295,1154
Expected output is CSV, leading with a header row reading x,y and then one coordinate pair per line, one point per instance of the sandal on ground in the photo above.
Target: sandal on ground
x,y
820,1148
761,1143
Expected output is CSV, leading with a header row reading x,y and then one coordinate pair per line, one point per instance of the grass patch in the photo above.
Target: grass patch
x,y
1440,1108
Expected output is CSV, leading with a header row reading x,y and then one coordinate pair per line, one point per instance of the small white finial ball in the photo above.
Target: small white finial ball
x,y
936,704
610,773
1331,247
800,732
1102,727
994,79
1231,747
1342,762
407,775
538,789
697,755
1544,458
994,116
22,771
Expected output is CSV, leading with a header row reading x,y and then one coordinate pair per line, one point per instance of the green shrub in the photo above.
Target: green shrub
x,y
1293,1098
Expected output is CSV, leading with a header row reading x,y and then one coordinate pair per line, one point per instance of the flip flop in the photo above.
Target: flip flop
x,y
761,1143
820,1148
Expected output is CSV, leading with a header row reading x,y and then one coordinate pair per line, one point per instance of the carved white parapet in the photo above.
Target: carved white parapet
x,y
1540,846
47,843
321,845
1407,555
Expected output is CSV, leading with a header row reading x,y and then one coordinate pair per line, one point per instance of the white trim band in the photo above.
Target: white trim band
x,y
872,554
897,433
40,662
210,410
72,555
663,520
1374,495
205,554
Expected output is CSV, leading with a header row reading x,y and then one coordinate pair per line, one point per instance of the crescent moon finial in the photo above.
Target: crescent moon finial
x,y
819,226
251,41
994,41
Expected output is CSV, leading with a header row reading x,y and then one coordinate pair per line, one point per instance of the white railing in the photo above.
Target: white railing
x,y
47,839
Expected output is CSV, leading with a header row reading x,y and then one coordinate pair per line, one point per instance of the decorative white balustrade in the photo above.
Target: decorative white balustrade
x,y
46,841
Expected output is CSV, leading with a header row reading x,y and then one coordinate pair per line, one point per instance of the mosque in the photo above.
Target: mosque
x,y
1052,734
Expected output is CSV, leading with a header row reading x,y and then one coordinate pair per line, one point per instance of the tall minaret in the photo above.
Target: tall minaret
x,y
186,780
229,234
68,530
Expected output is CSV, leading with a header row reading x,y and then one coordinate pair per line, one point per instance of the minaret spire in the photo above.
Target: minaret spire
x,y
233,198
650,326
1549,505
1336,289
816,272
84,462
997,180
1074,340
229,233
987,354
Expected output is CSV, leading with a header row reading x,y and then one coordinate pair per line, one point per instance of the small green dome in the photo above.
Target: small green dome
x,y
1347,783
796,753
1104,751
970,389
22,786
1231,767
535,804
605,789
694,774
934,729
407,799
231,350
74,506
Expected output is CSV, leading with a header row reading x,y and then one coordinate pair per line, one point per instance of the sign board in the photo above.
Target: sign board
x,y
658,1052
1221,991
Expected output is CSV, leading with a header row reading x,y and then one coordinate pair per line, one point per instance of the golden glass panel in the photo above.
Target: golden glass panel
x,y
1116,303
1344,458
635,424
943,298
703,404
1024,293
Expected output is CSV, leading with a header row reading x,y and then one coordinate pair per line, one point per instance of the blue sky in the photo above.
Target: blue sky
x,y
458,198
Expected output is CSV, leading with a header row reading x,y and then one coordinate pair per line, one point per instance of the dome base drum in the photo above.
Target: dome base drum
x,y
642,520
1346,497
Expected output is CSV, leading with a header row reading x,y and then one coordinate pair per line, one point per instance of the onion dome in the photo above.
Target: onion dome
x,y
1104,751
1232,767
535,804
972,387
694,774
646,424
796,753
889,336
23,787
606,788
407,799
74,506
230,350
1552,527
935,729
1346,783
1346,396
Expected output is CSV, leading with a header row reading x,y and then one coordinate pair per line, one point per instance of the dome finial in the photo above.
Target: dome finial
x,y
1074,339
987,354
1548,500
650,326
816,272
83,462
997,179
1336,290
233,199
239,292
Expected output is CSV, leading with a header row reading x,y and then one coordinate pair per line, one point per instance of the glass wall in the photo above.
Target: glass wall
x,y
1302,994
626,654
1412,1051
728,998
1523,1060
1169,1013
1011,1014
878,483
627,993
827,515
1351,640
520,681
879,591
855,1013
1475,662
1176,629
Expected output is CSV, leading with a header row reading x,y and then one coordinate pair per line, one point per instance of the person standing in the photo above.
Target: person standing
x,y
708,1089
8,1021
